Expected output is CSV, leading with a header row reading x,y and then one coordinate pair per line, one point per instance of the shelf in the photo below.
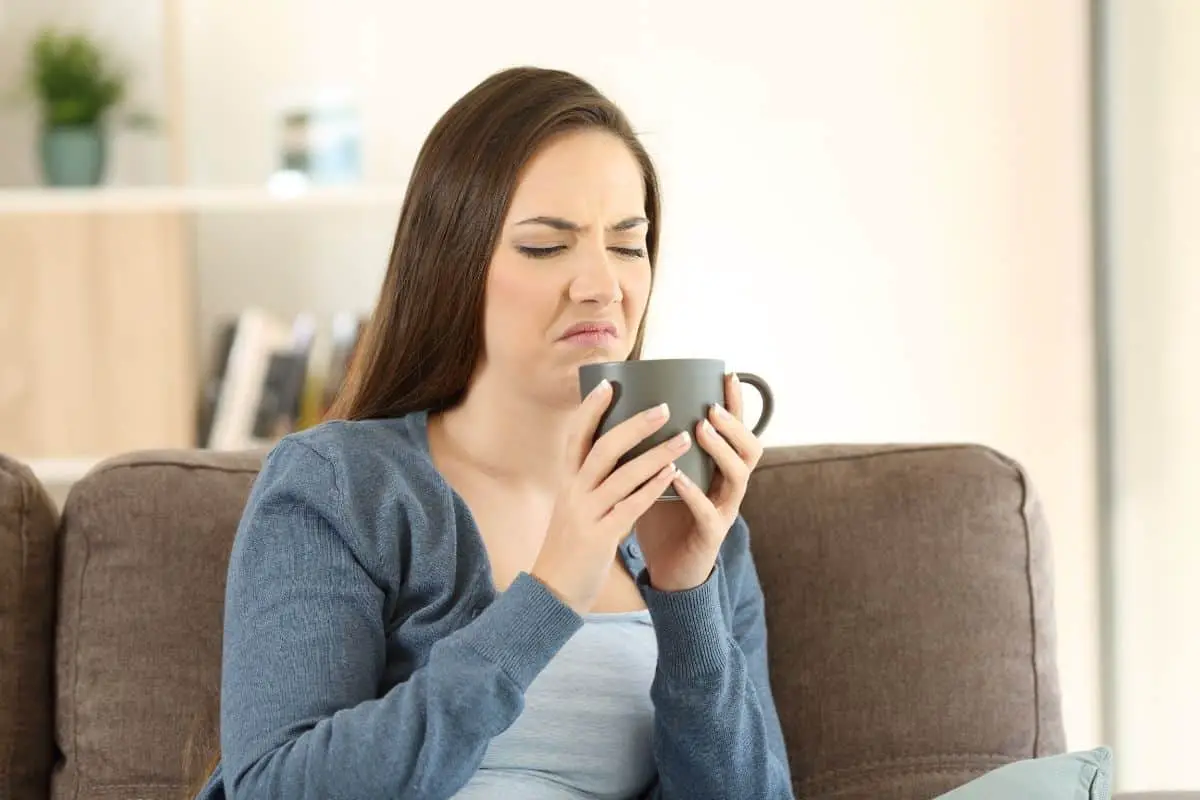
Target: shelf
x,y
187,199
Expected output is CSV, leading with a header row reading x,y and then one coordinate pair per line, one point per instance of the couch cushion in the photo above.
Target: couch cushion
x,y
146,541
28,525
910,616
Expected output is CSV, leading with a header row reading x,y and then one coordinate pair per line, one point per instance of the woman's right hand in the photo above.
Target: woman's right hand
x,y
597,507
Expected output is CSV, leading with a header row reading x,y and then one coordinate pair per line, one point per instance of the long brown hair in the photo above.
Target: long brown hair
x,y
425,336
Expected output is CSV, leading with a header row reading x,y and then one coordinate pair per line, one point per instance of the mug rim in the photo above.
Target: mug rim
x,y
663,361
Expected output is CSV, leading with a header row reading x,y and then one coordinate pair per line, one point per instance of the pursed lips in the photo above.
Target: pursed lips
x,y
590,333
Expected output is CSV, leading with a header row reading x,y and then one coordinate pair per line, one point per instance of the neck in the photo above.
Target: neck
x,y
508,436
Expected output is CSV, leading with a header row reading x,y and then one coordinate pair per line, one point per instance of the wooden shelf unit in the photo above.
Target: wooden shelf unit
x,y
97,351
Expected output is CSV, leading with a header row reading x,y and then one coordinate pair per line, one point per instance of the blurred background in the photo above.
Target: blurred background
x,y
936,220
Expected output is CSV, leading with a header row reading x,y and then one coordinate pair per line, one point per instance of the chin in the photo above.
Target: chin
x,y
614,351
562,390
600,355
558,386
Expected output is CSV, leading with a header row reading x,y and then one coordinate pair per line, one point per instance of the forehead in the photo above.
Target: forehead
x,y
578,175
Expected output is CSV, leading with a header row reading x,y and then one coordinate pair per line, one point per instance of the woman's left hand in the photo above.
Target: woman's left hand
x,y
681,540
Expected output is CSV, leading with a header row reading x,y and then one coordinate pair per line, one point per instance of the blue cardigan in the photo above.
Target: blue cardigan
x,y
368,655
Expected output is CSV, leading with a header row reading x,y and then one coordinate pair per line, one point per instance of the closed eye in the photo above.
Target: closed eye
x,y
629,252
541,252
547,252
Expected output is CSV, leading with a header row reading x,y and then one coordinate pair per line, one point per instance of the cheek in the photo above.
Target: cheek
x,y
514,297
636,289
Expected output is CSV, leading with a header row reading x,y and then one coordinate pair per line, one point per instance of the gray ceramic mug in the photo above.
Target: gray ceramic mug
x,y
689,387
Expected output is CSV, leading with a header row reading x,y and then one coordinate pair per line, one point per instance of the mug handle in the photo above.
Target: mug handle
x,y
768,399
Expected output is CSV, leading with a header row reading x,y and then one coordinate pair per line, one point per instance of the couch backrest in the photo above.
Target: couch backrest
x,y
910,616
145,539
909,610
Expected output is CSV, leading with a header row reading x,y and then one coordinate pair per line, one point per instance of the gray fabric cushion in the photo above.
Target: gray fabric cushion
x,y
146,541
910,615
28,525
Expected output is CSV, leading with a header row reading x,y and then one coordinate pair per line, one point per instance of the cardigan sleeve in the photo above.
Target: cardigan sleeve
x,y
716,731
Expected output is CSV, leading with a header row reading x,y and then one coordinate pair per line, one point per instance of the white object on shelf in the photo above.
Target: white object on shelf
x,y
61,472
170,198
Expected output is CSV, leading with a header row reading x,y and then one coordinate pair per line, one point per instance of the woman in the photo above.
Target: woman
x,y
439,595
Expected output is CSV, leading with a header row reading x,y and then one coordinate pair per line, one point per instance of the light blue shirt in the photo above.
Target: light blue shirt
x,y
588,724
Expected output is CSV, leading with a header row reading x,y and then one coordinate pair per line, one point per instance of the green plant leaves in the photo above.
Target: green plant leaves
x,y
73,79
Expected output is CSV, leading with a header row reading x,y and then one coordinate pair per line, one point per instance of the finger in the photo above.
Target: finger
x,y
707,515
733,395
743,440
608,449
734,471
588,417
617,486
625,513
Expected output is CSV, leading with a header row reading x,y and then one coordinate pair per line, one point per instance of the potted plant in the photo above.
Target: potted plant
x,y
76,85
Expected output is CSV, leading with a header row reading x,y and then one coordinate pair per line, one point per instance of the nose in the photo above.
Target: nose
x,y
595,279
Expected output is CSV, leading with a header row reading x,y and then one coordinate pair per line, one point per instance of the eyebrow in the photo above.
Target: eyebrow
x,y
560,224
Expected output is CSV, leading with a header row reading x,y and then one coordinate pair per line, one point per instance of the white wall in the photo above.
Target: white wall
x,y
1154,119
879,206
885,204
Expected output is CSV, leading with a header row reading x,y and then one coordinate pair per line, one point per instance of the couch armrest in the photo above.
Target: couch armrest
x,y
28,591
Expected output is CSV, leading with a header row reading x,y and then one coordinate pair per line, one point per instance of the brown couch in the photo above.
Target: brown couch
x,y
909,607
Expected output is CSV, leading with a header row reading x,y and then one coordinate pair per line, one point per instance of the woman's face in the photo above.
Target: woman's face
x,y
569,281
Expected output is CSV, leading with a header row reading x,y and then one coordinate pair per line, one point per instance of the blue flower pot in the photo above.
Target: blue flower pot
x,y
73,155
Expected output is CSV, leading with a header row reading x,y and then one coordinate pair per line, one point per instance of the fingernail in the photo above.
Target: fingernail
x,y
680,442
657,413
721,410
708,428
682,477
602,386
670,470
735,378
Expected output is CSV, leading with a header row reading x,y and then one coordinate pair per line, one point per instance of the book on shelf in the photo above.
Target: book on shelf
x,y
263,384
210,390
